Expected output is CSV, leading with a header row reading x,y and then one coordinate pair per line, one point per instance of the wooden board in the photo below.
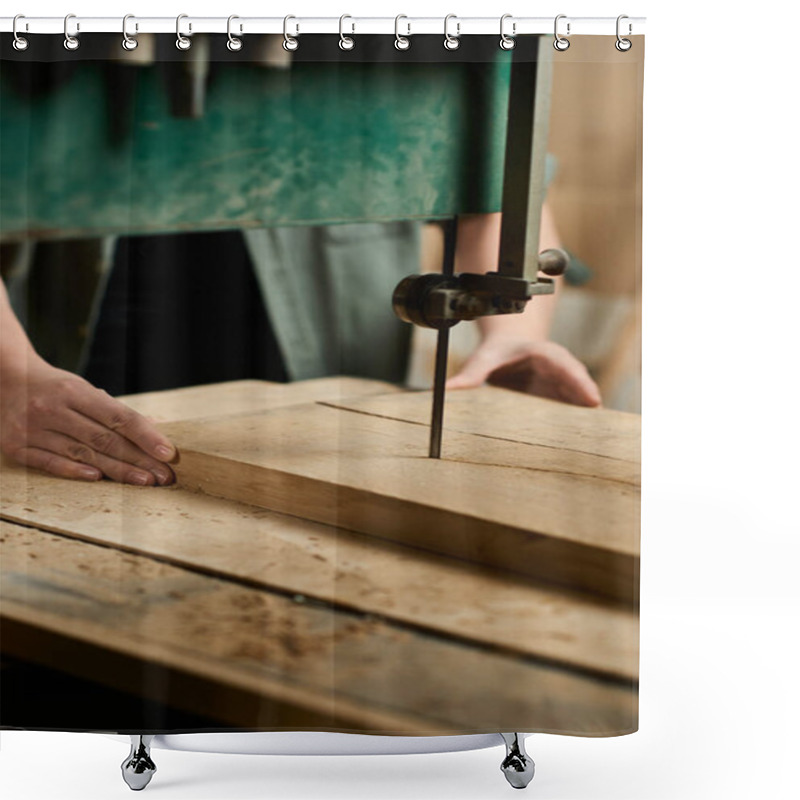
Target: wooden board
x,y
510,416
348,669
566,514
283,553
238,397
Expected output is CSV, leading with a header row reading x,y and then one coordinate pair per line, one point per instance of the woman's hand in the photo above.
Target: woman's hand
x,y
515,351
56,421
542,368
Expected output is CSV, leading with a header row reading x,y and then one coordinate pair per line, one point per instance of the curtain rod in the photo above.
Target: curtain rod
x,y
462,26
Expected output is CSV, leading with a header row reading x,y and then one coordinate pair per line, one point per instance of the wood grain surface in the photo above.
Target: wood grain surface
x,y
565,513
238,397
510,416
267,620
262,548
348,669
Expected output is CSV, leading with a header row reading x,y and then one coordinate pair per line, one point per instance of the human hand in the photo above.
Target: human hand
x,y
53,420
541,368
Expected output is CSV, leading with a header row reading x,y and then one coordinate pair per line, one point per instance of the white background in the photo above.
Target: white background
x,y
720,603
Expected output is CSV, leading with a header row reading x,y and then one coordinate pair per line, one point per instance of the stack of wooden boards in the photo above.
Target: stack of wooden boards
x,y
328,575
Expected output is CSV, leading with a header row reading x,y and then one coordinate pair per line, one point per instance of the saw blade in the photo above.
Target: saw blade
x,y
440,377
442,344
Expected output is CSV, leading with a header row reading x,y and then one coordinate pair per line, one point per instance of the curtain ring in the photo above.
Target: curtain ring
x,y
20,43
623,45
182,42
290,42
561,43
129,42
401,42
346,42
507,42
234,44
451,42
71,42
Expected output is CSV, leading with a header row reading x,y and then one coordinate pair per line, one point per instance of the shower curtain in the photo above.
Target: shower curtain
x,y
218,507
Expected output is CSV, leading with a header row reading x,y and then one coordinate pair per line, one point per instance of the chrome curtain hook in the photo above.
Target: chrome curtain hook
x,y
623,45
182,42
290,42
71,42
234,43
129,42
561,43
346,42
451,42
507,42
401,42
20,42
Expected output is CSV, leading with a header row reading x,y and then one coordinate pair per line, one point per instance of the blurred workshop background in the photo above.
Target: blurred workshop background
x,y
596,197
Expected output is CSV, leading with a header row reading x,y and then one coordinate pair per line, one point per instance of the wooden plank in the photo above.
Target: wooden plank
x,y
231,707
353,571
358,670
503,414
563,515
238,397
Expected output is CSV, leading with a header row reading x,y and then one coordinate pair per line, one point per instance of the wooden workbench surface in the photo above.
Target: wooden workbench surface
x,y
524,484
295,623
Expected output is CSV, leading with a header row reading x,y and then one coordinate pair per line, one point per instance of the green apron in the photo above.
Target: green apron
x,y
328,291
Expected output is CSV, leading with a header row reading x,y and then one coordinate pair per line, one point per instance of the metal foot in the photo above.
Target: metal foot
x,y
517,766
138,768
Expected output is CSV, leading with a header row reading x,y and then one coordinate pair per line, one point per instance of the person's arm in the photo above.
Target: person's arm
x,y
54,420
515,351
